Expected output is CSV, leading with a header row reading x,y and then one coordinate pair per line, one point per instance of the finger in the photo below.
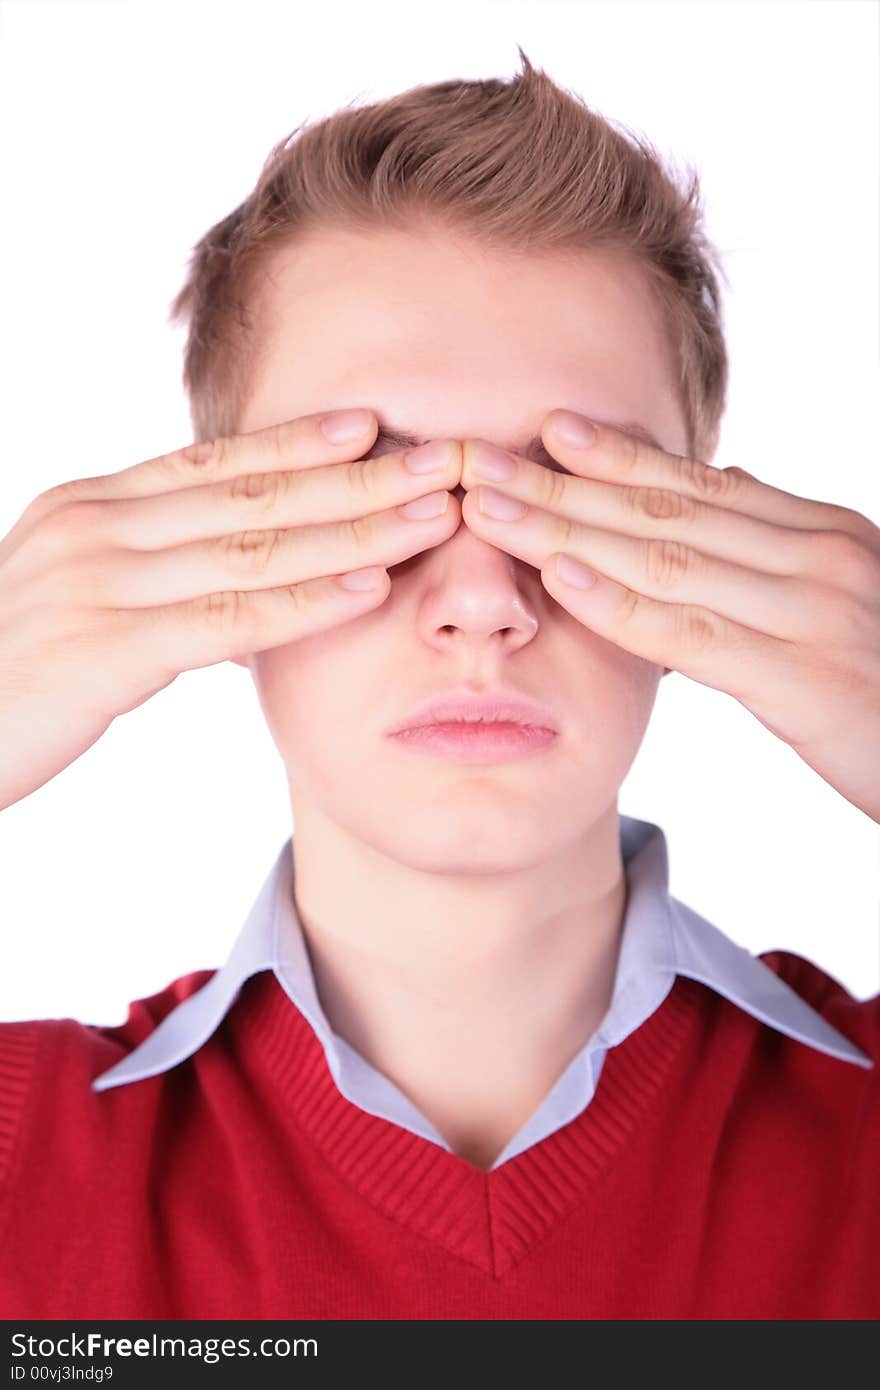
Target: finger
x,y
662,569
268,558
236,623
646,510
300,443
303,442
231,622
277,500
246,517
622,458
689,638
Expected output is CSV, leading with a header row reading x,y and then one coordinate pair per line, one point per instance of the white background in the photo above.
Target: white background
x,y
126,130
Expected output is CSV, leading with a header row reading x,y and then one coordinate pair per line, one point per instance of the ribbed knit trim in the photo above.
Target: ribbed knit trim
x,y
491,1219
18,1045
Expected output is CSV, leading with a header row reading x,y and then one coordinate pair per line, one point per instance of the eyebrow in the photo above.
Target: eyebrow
x,y
389,437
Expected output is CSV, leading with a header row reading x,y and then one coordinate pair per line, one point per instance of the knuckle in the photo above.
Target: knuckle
x,y
47,501
629,607
567,534
740,474
45,505
262,489
71,490
555,490
852,624
296,596
66,524
359,476
203,459
661,504
698,629
667,562
284,438
841,558
252,552
707,481
630,455
278,439
53,498
221,609
848,519
359,529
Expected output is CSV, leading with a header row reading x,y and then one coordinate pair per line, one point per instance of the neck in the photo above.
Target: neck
x,y
471,992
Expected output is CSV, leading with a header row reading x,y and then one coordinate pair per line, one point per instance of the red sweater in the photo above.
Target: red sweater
x,y
722,1170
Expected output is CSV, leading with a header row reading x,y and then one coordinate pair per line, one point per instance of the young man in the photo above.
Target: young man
x,y
468,1057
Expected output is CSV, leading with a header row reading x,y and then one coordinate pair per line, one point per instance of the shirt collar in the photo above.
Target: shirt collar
x,y
663,937
660,938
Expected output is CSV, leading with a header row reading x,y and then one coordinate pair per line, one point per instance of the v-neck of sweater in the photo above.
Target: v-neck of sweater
x,y
489,1218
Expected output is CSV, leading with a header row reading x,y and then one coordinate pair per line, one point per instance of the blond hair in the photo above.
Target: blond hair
x,y
520,165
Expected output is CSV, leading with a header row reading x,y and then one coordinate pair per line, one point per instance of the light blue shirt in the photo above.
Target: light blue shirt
x,y
660,938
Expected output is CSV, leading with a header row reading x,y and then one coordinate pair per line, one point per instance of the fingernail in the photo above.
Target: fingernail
x,y
574,429
573,572
490,462
423,508
344,425
362,579
427,458
499,505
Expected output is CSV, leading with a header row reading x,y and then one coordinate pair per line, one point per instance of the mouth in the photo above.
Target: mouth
x,y
468,742
478,728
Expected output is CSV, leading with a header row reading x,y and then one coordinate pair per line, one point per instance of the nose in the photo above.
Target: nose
x,y
474,593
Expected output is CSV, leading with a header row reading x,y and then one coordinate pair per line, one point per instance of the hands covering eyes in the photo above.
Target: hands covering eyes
x,y
741,586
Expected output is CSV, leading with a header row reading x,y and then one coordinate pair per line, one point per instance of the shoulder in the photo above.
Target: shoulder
x,y
857,1019
71,1044
57,1058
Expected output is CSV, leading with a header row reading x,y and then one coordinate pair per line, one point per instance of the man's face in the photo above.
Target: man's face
x,y
443,339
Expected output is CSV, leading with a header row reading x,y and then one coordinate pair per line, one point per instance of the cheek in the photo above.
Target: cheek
x,y
637,683
621,690
296,691
302,690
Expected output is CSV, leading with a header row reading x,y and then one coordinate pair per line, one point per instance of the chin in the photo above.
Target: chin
x,y
447,843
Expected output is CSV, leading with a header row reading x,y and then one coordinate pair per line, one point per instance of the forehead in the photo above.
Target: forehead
x,y
442,337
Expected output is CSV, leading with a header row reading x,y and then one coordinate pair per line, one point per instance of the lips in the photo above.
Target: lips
x,y
466,707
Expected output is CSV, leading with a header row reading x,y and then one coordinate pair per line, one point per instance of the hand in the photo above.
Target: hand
x,y
111,586
771,597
